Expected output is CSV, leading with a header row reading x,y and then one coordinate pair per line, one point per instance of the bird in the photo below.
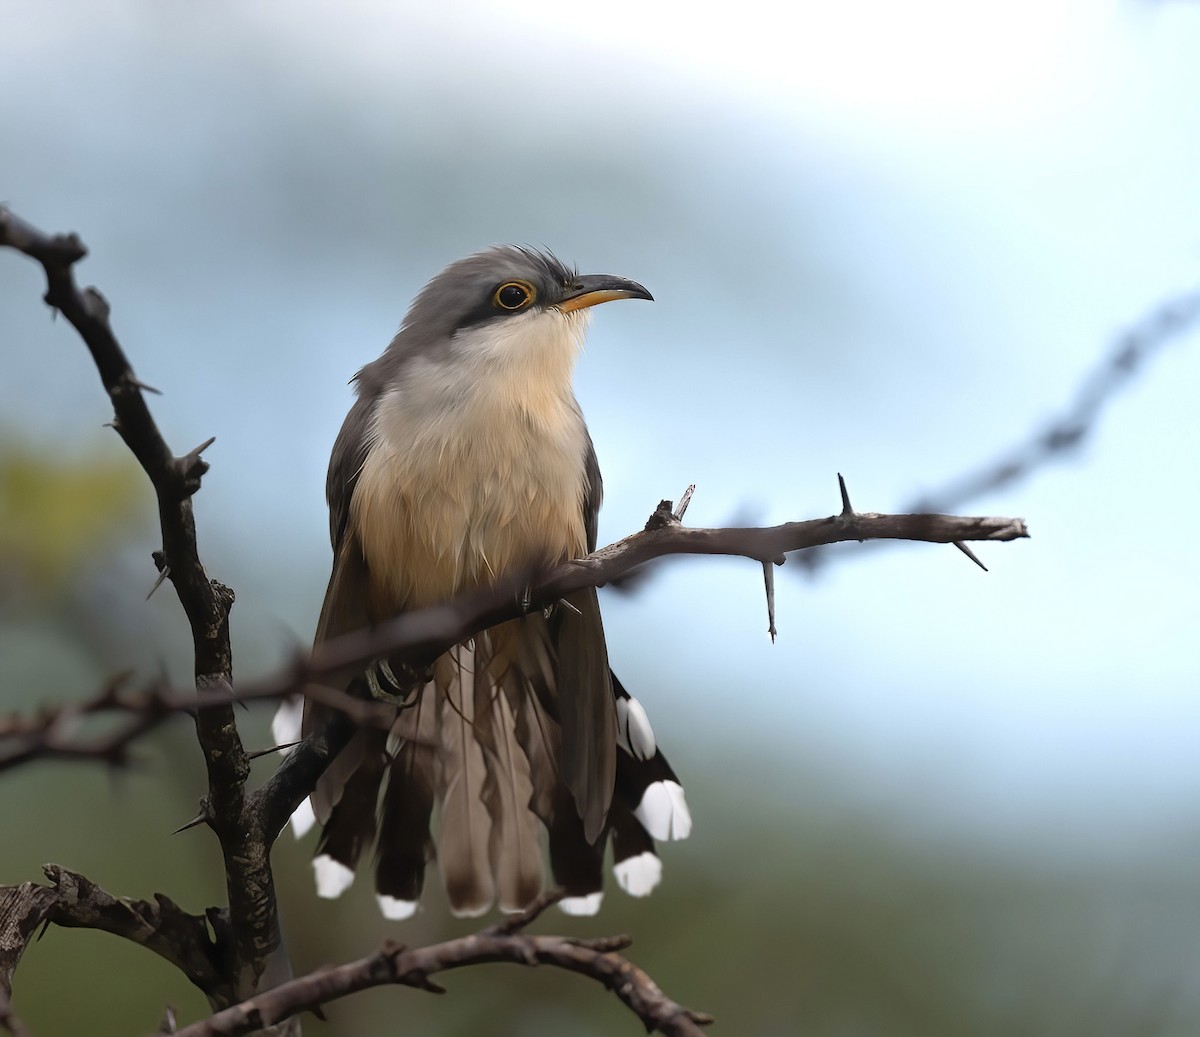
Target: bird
x,y
465,462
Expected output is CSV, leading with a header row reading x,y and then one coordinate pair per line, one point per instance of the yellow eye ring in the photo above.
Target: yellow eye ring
x,y
513,295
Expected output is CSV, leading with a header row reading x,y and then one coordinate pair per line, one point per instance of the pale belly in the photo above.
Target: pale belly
x,y
437,517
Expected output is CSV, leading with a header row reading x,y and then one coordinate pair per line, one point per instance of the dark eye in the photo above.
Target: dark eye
x,y
513,295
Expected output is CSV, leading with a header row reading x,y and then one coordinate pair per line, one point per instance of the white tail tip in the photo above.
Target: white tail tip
x,y
634,733
638,875
470,912
581,906
303,819
395,909
664,812
333,877
285,725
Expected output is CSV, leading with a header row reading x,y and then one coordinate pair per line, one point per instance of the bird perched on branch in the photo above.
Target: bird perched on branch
x,y
466,461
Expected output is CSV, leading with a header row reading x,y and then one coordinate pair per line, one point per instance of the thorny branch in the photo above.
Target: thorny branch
x,y
1132,350
234,955
205,602
417,637
506,942
73,901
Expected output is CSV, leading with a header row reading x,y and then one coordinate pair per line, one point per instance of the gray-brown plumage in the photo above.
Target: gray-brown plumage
x,y
464,460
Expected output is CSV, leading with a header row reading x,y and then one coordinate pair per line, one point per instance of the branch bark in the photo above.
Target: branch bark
x,y
75,902
205,602
417,637
395,964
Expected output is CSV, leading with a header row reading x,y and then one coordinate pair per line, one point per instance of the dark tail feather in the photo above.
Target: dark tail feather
x,y
654,795
576,862
649,803
351,825
486,739
332,784
635,864
585,708
645,781
405,844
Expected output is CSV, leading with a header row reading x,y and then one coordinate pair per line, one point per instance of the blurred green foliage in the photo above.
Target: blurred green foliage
x,y
56,514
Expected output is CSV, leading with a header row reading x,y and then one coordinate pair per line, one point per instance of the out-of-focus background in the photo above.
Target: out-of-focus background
x,y
887,240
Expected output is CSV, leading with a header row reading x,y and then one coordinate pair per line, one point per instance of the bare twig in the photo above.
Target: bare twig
x,y
205,602
1131,351
73,901
1062,436
58,732
505,942
421,636
432,630
184,940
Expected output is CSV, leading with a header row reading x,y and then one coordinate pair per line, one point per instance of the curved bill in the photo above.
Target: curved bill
x,y
593,289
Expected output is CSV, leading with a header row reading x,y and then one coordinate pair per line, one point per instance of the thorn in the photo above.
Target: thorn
x,y
425,983
319,1012
45,926
847,511
769,582
969,553
201,818
684,501
162,575
274,749
203,446
137,383
168,1024
567,605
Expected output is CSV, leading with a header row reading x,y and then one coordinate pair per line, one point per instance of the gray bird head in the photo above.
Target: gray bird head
x,y
514,316
502,283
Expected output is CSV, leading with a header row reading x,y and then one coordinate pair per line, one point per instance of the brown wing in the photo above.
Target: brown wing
x,y
584,684
344,609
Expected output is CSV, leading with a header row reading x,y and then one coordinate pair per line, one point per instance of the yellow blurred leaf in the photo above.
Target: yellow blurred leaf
x,y
55,514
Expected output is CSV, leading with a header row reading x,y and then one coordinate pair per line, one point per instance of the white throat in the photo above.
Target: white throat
x,y
529,358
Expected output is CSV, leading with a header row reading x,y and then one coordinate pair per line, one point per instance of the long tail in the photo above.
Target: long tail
x,y
480,749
